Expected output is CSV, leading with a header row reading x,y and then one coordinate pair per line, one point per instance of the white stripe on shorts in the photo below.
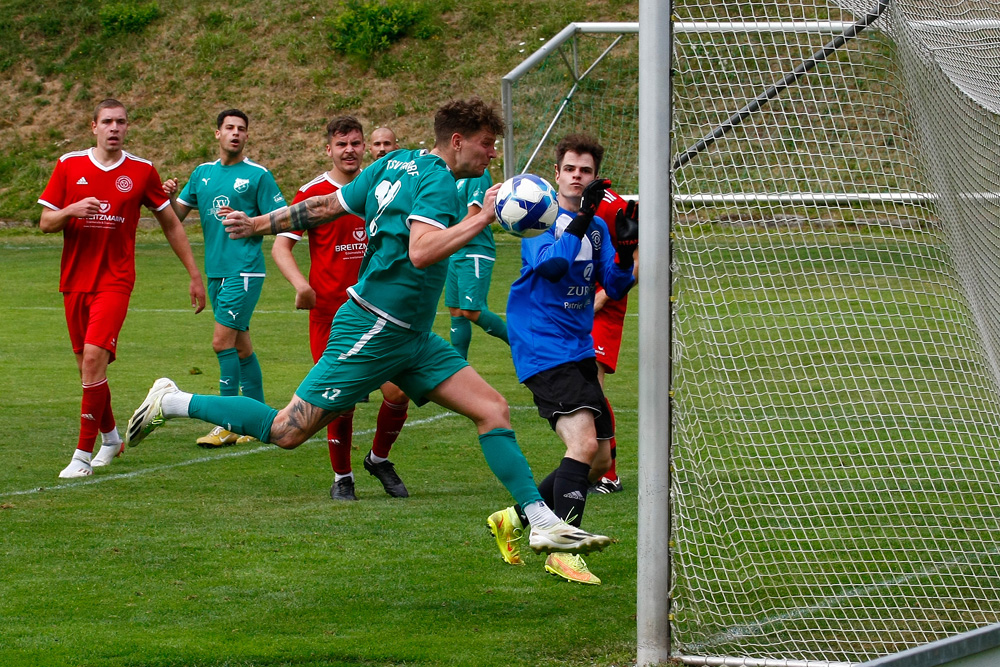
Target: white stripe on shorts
x,y
378,326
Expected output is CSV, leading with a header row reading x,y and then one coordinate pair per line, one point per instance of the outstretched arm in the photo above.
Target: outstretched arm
x,y
306,214
174,231
429,244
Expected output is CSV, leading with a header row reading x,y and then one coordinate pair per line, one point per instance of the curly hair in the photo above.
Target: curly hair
x,y
580,144
465,117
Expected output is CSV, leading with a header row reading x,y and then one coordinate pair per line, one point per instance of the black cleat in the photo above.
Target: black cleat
x,y
343,489
606,486
385,472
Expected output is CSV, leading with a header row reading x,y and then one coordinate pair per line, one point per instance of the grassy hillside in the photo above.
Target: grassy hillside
x,y
276,60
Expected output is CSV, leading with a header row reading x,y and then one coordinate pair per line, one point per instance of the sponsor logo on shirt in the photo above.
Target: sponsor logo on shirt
x,y
241,185
82,181
217,203
105,206
348,247
123,183
359,234
278,198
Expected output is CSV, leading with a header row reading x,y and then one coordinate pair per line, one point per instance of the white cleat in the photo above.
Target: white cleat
x,y
76,468
149,416
107,454
564,538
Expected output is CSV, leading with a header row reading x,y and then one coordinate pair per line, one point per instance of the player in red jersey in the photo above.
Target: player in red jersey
x,y
335,253
93,198
609,318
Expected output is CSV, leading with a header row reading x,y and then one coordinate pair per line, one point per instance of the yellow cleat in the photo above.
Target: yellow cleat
x,y
571,568
507,529
246,439
218,437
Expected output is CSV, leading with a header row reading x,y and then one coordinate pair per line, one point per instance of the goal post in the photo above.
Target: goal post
x,y
832,306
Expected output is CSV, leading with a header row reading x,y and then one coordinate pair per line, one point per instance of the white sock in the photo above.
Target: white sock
x,y
540,515
112,437
375,459
81,455
175,404
337,476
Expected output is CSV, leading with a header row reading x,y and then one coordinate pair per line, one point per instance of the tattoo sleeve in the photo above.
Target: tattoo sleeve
x,y
306,214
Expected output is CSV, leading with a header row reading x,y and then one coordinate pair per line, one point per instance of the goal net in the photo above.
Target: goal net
x,y
836,436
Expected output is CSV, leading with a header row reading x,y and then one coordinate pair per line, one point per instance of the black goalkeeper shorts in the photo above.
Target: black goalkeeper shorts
x,y
568,388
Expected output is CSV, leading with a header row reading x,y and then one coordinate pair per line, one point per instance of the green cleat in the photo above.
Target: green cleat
x,y
149,416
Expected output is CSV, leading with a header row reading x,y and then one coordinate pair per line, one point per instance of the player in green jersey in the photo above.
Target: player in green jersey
x,y
415,221
235,267
469,273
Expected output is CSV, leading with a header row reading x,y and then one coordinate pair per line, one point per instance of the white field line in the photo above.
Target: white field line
x,y
757,628
204,459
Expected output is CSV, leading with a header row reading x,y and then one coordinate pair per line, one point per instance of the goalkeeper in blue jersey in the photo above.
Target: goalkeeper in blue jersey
x,y
415,221
550,314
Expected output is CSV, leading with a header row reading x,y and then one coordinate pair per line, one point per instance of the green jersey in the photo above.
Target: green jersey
x,y
471,191
245,186
403,187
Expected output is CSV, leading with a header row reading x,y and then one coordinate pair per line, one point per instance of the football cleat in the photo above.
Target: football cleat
x,y
343,489
76,468
218,437
107,454
385,472
564,538
149,416
507,530
606,485
571,567
246,439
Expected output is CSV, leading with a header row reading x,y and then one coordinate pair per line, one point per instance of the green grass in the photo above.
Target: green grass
x,y
176,555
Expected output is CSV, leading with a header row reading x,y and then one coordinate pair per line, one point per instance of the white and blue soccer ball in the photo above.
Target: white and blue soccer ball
x,y
526,205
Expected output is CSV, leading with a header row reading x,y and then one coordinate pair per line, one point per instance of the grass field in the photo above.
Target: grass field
x,y
176,555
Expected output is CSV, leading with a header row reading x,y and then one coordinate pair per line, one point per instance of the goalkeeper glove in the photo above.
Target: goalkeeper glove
x,y
592,196
627,234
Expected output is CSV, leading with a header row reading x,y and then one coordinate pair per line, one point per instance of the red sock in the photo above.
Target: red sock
x,y
108,420
612,474
338,434
95,397
391,417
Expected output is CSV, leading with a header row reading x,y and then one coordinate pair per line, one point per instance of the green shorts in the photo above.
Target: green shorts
x,y
233,299
468,282
364,351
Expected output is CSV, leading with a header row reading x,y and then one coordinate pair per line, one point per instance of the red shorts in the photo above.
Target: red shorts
x,y
319,334
95,318
607,332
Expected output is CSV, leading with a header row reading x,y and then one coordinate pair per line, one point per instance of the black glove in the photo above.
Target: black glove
x,y
592,197
627,233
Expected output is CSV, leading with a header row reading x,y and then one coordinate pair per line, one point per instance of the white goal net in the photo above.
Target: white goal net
x,y
836,436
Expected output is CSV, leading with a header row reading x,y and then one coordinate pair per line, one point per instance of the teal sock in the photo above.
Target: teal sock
x,y
461,335
239,414
493,324
229,372
507,462
251,380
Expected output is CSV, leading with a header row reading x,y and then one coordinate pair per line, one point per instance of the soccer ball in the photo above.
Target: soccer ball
x,y
526,205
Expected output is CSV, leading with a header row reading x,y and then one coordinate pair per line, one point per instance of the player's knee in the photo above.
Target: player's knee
x,y
285,436
393,394
497,412
471,315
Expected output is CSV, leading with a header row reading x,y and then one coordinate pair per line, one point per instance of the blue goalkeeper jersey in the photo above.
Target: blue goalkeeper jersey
x,y
550,310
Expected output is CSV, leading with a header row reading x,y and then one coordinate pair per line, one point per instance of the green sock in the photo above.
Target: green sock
x,y
229,372
251,380
507,462
239,414
493,324
461,335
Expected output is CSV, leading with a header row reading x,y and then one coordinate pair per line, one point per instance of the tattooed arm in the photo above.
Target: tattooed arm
x,y
304,215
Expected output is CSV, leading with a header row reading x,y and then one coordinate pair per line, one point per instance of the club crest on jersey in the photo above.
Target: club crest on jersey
x,y
359,234
105,206
217,203
241,185
123,183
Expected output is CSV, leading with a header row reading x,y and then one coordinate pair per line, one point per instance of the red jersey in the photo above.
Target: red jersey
x,y
335,250
99,251
607,211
